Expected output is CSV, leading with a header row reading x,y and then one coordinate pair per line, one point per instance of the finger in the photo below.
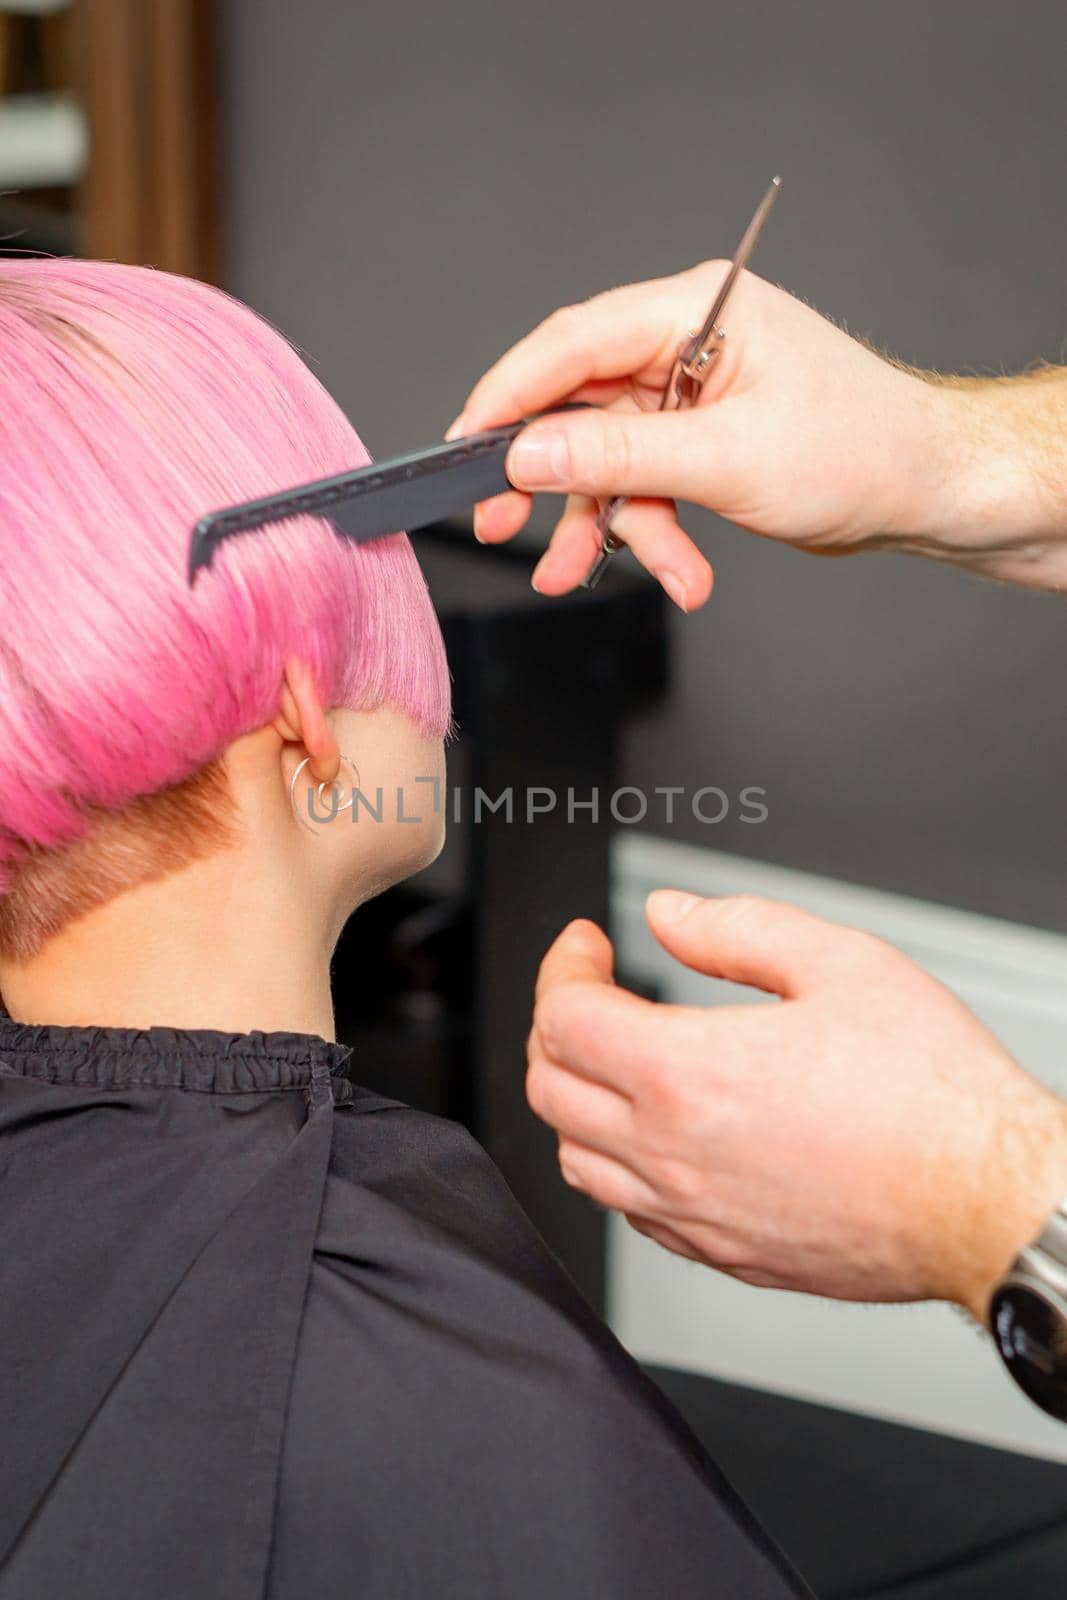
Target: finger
x,y
651,531
597,392
584,1022
690,455
664,1235
577,1108
582,953
605,1180
501,518
608,337
572,548
614,1038
763,943
615,392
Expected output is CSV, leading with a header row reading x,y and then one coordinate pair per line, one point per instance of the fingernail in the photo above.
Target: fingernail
x,y
539,459
536,574
456,429
477,523
676,589
670,905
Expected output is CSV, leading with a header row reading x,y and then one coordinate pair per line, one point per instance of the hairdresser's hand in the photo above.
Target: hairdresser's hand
x,y
864,1138
802,434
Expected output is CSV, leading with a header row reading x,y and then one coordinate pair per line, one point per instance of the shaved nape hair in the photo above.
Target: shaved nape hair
x,y
132,402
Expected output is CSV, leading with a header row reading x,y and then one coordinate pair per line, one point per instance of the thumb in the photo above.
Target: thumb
x,y
763,943
604,453
582,953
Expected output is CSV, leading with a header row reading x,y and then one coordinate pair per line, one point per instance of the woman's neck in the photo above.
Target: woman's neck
x,y
234,945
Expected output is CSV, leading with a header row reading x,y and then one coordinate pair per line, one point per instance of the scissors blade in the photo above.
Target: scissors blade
x,y
696,352
748,242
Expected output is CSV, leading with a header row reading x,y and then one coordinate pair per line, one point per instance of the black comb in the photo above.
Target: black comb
x,y
385,497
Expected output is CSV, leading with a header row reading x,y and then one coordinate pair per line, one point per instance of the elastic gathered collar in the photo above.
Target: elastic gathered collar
x,y
203,1060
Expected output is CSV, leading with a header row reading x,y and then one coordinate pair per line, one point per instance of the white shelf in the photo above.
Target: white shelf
x,y
44,141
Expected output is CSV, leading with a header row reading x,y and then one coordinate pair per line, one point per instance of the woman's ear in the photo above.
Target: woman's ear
x,y
301,719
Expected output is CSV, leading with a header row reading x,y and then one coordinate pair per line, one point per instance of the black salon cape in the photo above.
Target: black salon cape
x,y
266,1334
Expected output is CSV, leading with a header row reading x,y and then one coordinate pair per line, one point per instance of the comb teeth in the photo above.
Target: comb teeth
x,y
378,500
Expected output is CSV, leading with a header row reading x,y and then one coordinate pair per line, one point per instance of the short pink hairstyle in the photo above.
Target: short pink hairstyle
x,y
131,402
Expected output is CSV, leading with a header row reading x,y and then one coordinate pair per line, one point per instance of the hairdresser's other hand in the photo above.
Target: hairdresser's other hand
x,y
802,434
865,1138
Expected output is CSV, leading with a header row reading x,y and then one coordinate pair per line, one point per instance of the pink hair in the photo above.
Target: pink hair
x,y
131,402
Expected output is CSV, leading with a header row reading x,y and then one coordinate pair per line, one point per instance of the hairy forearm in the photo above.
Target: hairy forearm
x,y
1022,1184
1003,445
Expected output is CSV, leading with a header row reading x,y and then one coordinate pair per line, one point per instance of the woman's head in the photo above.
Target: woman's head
x,y
131,402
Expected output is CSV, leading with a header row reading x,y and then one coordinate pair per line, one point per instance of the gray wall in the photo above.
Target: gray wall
x,y
411,186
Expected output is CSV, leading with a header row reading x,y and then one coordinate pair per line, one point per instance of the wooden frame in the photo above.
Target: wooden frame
x,y
147,77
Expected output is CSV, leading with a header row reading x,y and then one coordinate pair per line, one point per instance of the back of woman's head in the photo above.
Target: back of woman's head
x,y
131,402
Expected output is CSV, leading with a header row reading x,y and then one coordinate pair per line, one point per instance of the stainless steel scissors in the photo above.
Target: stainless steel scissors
x,y
693,364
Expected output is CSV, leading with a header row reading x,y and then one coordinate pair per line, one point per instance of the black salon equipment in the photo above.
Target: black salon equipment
x,y
543,690
871,1510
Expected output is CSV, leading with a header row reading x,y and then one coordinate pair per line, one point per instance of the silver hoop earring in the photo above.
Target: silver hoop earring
x,y
325,784
335,782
